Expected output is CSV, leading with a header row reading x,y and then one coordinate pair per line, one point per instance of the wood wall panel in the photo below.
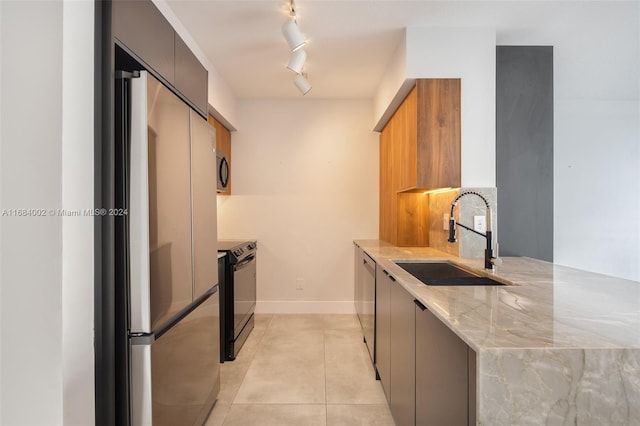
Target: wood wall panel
x,y
413,219
223,143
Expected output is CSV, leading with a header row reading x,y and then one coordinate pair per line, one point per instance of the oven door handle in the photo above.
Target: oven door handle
x,y
244,262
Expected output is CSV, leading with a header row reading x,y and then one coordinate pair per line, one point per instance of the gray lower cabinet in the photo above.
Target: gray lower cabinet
x,y
383,329
403,373
471,394
395,346
445,373
427,372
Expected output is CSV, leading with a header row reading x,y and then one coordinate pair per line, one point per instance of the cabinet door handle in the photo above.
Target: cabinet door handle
x,y
385,272
392,278
420,305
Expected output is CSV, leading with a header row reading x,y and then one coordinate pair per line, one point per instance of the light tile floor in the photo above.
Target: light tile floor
x,y
301,370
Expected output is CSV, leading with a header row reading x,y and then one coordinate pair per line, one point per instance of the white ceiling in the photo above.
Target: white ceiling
x,y
351,41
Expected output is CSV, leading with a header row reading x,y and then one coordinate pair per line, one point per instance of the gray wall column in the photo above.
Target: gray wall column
x,y
524,150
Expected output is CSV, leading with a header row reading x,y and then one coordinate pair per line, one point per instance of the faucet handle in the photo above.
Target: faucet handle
x,y
452,229
496,260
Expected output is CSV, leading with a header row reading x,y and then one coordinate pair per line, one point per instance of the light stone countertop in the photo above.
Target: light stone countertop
x,y
557,345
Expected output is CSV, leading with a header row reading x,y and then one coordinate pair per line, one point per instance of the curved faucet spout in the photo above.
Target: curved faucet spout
x,y
489,259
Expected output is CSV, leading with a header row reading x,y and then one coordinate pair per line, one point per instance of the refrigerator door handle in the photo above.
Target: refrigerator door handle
x,y
140,274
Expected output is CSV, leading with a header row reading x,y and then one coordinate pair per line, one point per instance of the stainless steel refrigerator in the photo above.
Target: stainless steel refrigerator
x,y
174,375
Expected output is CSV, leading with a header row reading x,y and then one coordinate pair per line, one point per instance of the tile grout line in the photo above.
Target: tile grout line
x,y
329,328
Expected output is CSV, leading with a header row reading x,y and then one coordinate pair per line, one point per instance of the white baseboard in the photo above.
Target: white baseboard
x,y
304,307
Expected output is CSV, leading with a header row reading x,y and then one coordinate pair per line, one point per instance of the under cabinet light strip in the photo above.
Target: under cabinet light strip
x,y
439,190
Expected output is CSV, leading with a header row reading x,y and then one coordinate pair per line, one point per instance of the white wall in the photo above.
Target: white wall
x,y
77,232
394,87
305,184
31,273
47,266
597,185
443,52
596,131
468,54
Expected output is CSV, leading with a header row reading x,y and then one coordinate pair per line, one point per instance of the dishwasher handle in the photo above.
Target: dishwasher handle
x,y
368,264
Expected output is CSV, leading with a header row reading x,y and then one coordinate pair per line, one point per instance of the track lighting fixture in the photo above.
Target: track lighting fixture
x,y
295,41
292,34
302,83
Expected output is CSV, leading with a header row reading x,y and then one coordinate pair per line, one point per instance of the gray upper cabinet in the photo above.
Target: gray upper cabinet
x,y
144,33
190,76
141,29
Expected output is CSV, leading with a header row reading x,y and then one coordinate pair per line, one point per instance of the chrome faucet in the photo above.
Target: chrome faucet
x,y
489,259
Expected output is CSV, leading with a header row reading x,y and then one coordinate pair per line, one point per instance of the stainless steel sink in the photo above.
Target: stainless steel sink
x,y
444,274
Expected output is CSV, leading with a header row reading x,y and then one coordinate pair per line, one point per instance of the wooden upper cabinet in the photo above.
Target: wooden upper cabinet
x,y
405,137
429,145
419,151
223,144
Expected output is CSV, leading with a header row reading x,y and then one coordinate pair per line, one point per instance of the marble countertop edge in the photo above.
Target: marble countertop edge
x,y
544,306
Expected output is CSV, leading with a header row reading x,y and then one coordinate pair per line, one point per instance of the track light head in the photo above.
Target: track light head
x,y
296,61
296,41
292,34
302,83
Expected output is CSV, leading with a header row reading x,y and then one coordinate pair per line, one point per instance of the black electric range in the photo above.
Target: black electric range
x,y
237,279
